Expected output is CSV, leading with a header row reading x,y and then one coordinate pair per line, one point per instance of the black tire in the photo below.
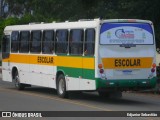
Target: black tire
x,y
112,94
116,95
16,81
61,87
103,94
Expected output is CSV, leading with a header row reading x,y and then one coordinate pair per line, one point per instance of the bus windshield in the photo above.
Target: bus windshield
x,y
126,33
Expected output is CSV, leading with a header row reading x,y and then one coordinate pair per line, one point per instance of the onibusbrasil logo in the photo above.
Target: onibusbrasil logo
x,y
21,114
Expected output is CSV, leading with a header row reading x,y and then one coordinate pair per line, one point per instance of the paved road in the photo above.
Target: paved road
x,y
44,99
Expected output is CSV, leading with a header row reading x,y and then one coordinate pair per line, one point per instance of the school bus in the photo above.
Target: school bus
x,y
108,56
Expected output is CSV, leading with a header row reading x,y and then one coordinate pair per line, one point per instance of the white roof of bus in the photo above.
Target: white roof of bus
x,y
66,25
62,25
127,20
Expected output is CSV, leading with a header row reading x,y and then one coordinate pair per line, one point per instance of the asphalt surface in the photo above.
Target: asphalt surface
x,y
45,99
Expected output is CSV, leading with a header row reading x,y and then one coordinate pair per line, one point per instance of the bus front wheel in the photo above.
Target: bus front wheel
x,y
16,81
61,87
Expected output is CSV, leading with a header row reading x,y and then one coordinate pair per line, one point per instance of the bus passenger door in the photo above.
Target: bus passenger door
x,y
88,61
88,82
6,76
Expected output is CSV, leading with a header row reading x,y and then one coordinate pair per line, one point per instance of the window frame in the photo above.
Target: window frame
x,y
28,41
18,41
32,49
85,42
56,47
53,41
74,42
6,46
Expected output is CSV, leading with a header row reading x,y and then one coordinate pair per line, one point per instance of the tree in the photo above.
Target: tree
x,y
60,10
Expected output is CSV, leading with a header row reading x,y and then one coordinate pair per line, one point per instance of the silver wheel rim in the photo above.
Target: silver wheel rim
x,y
17,81
61,86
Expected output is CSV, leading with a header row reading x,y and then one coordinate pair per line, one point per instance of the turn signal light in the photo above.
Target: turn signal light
x,y
153,65
100,66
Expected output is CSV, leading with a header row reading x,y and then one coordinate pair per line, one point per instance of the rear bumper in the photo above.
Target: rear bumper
x,y
123,85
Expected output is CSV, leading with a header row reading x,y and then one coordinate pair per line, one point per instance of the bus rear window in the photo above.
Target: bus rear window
x,y
126,33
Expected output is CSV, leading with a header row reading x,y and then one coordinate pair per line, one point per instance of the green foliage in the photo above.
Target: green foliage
x,y
3,23
26,11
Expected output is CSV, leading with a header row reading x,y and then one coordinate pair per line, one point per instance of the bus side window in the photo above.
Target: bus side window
x,y
15,41
6,46
35,41
62,41
48,42
76,41
89,42
24,41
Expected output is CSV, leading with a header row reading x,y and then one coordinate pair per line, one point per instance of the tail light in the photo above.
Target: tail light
x,y
153,68
100,66
154,65
101,71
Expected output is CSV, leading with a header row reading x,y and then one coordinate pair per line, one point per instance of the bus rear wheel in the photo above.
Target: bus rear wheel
x,y
111,94
16,82
61,87
103,94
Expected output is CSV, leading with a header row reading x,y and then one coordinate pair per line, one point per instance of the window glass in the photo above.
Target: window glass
x,y
89,42
35,42
62,41
6,46
5,43
76,42
15,41
24,41
126,34
48,42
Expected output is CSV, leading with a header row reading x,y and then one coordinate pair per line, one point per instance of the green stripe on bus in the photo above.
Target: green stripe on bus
x,y
78,72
